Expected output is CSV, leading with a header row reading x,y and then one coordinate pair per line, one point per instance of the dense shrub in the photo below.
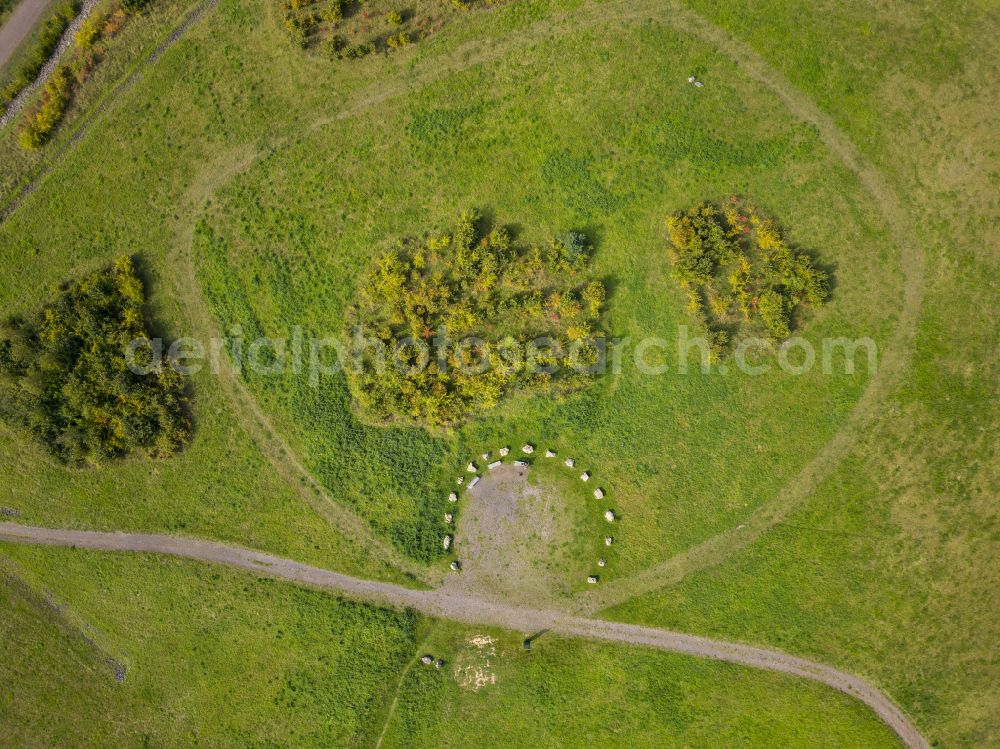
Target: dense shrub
x,y
739,269
43,118
470,296
395,41
66,373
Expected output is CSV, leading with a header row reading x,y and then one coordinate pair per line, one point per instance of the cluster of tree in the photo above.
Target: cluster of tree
x,y
64,374
88,49
447,326
739,268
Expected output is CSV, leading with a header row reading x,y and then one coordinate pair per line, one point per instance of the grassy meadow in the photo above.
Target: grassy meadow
x,y
217,657
255,181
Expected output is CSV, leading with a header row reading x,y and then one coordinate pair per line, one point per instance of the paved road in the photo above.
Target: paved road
x,y
472,609
19,25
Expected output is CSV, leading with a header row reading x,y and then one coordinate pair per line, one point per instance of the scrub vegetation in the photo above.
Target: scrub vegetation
x,y
442,326
66,377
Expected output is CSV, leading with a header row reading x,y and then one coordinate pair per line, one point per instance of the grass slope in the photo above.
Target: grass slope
x,y
891,569
217,657
214,657
568,693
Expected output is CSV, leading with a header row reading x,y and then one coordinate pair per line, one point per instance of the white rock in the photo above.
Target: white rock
x,y
446,543
527,449
608,540
472,468
550,453
698,84
495,464
609,516
486,455
460,480
569,462
521,463
453,497
427,660
592,580
448,517
585,476
598,493
455,566
601,562
475,480
691,79
504,451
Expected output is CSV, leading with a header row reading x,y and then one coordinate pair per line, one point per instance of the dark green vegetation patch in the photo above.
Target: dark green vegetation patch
x,y
446,327
739,270
352,29
65,376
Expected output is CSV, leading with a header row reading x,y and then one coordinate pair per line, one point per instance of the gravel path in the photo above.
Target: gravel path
x,y
64,43
19,25
471,609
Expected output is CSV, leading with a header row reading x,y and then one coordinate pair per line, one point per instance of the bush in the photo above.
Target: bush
x,y
89,32
49,111
741,263
467,297
394,18
66,368
402,39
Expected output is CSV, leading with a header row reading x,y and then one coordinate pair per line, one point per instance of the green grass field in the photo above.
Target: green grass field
x,y
205,667
255,181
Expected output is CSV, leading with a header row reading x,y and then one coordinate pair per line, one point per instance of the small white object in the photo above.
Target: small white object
x,y
550,453
495,464
691,79
460,480
608,540
601,562
427,660
504,451
438,663
475,480
446,543
521,463
448,517
598,494
698,84
472,468
609,516
453,497
527,449
569,462
592,579
585,476
455,566
486,455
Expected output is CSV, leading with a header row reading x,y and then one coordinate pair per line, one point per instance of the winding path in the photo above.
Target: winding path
x,y
471,609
